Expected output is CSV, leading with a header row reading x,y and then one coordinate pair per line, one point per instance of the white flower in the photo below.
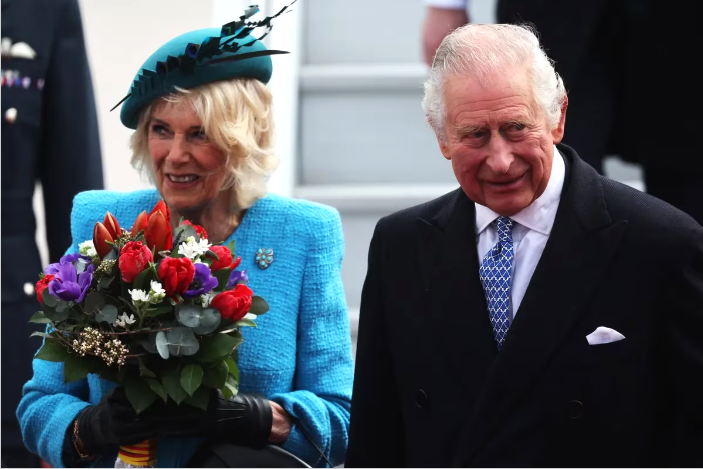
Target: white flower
x,y
207,298
250,316
87,248
192,248
157,293
124,320
138,295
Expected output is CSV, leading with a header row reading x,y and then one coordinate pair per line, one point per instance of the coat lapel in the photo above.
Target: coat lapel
x,y
456,300
580,250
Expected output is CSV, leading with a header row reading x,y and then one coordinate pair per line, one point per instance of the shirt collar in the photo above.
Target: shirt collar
x,y
539,215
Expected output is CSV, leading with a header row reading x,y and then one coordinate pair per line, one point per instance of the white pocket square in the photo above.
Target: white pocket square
x,y
603,335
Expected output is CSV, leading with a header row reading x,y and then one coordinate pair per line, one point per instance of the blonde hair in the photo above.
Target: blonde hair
x,y
237,117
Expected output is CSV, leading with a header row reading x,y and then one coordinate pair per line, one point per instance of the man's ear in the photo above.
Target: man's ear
x,y
558,131
444,148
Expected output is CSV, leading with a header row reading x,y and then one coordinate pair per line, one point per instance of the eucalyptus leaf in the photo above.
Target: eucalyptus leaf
x,y
49,304
172,384
64,307
162,345
94,302
181,342
107,314
188,315
259,306
199,399
191,378
210,319
49,299
39,318
105,282
149,343
157,387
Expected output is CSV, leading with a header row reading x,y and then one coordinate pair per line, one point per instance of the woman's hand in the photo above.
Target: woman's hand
x,y
282,424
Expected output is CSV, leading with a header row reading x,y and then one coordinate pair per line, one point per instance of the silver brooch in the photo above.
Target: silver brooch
x,y
264,257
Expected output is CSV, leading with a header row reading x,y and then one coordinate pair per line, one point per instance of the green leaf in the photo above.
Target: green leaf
x,y
163,308
64,306
245,323
157,388
191,378
41,334
258,306
53,351
232,367
162,344
142,282
94,302
144,371
172,384
231,387
210,319
111,255
216,376
107,314
217,348
212,254
201,321
49,299
199,399
105,282
222,277
39,318
139,394
49,306
188,315
74,368
231,245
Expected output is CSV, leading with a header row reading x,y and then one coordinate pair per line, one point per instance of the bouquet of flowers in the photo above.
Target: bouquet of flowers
x,y
156,310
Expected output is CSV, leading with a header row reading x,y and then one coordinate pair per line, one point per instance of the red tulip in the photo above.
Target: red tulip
x,y
110,223
224,260
198,229
233,304
161,207
158,234
139,224
236,263
134,258
176,275
100,236
42,285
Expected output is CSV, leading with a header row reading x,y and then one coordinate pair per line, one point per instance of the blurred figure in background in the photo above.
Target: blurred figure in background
x,y
621,60
49,134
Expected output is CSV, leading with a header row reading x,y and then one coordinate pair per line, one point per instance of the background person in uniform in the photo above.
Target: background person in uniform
x,y
541,315
49,134
621,60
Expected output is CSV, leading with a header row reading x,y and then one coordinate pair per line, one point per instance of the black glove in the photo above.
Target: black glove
x,y
244,419
110,424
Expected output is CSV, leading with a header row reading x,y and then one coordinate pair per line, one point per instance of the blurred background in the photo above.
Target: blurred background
x,y
351,132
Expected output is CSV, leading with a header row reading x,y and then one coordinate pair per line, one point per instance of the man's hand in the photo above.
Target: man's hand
x,y
438,23
281,424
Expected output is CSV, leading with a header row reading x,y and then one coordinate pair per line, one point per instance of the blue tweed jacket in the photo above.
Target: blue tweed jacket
x,y
299,355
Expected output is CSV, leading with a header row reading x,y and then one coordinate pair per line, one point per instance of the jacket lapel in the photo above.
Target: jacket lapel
x,y
580,249
456,300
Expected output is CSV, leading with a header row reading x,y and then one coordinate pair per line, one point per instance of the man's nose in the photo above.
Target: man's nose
x,y
500,155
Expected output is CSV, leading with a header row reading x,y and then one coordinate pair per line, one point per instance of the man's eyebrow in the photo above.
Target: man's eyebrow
x,y
468,129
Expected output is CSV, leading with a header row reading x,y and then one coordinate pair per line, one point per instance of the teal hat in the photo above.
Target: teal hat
x,y
200,57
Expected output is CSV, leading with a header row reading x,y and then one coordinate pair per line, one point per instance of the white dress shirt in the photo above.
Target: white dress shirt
x,y
448,4
530,232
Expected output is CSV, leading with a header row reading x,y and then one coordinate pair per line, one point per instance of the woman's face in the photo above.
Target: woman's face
x,y
189,169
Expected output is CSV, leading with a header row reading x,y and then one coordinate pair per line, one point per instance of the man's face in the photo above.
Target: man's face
x,y
498,140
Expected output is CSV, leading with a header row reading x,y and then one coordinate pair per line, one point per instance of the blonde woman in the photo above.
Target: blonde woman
x,y
203,134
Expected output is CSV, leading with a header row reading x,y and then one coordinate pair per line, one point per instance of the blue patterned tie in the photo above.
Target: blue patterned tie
x,y
496,274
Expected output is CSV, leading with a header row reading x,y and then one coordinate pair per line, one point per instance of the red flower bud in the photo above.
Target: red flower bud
x,y
42,285
233,304
158,234
176,274
134,258
225,258
161,207
139,224
100,235
198,229
110,223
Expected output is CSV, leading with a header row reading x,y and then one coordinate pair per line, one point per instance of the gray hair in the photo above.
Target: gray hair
x,y
481,50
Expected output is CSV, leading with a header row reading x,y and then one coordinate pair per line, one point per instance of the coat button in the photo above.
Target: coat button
x,y
28,289
11,115
575,409
421,399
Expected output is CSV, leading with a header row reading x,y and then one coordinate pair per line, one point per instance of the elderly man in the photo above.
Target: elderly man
x,y
540,315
